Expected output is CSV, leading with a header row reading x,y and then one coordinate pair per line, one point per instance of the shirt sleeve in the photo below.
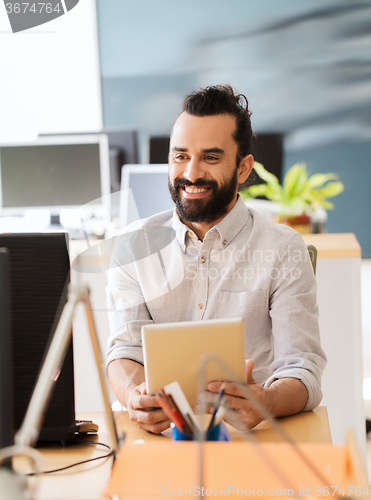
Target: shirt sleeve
x,y
294,314
127,310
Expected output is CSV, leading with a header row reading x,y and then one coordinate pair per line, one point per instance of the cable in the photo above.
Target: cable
x,y
111,452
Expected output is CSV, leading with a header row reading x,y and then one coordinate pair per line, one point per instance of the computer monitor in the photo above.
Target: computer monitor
x,y
268,150
54,173
123,149
144,192
159,149
6,353
35,293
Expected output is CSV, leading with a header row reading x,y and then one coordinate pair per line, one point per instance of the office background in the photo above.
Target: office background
x,y
304,66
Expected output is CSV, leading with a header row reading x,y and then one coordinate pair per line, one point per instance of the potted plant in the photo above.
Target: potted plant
x,y
299,196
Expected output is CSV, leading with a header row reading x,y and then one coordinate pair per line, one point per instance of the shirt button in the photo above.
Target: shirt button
x,y
200,306
224,242
203,259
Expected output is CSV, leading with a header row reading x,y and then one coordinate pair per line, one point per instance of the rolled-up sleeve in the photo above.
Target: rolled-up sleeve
x,y
294,314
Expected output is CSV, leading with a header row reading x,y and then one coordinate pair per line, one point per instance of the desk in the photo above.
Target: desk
x,y
86,482
339,303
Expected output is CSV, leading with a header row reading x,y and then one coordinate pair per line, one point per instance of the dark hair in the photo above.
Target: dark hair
x,y
219,100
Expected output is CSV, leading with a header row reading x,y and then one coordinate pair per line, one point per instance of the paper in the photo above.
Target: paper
x,y
158,469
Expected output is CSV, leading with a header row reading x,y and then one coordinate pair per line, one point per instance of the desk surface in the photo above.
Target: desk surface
x,y
334,245
87,481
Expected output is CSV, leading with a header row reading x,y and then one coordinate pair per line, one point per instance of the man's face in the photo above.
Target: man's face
x,y
203,176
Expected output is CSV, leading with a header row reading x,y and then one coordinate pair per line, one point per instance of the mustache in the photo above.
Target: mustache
x,y
180,182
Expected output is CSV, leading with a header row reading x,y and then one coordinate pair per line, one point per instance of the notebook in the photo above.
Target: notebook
x,y
172,352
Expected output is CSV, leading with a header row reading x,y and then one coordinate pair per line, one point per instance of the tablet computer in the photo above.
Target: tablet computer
x,y
172,352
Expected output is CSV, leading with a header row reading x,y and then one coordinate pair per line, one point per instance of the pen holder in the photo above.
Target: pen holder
x,y
217,433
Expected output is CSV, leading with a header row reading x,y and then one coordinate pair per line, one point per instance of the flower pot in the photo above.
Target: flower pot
x,y
301,223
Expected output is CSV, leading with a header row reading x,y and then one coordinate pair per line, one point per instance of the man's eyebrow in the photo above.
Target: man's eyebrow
x,y
213,150
182,150
209,150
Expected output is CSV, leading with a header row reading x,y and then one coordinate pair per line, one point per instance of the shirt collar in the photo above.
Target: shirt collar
x,y
228,227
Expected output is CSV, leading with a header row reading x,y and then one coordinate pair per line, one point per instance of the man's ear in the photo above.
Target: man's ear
x,y
244,168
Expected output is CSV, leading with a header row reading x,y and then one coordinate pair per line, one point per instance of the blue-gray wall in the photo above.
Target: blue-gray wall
x,y
352,162
149,61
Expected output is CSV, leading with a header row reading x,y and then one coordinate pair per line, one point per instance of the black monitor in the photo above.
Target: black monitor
x,y
6,365
268,150
40,273
159,149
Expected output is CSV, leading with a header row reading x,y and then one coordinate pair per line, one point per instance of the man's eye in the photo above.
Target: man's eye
x,y
180,157
211,158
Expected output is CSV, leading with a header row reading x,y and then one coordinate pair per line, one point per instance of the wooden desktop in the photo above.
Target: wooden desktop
x,y
87,481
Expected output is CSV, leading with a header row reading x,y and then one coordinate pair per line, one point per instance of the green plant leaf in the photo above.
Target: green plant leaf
x,y
327,205
318,180
262,190
254,191
301,182
318,200
331,189
274,193
299,193
295,180
265,175
296,206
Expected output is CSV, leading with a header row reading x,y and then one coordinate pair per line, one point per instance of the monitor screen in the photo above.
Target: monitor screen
x,y
54,173
159,149
123,149
144,192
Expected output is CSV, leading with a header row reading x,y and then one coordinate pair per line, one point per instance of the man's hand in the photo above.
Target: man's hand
x,y
241,414
127,381
284,397
142,410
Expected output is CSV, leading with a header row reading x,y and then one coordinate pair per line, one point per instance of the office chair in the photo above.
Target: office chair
x,y
313,256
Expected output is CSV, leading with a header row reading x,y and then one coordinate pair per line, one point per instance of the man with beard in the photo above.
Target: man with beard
x,y
235,263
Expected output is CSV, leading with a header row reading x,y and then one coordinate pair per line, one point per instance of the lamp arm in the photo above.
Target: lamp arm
x,y
29,431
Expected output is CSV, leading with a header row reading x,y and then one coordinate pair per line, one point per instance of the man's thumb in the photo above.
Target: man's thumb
x,y
249,369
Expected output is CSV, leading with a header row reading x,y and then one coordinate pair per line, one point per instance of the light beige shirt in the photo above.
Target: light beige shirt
x,y
246,266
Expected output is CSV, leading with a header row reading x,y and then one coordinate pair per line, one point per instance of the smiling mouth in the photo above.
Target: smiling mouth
x,y
195,190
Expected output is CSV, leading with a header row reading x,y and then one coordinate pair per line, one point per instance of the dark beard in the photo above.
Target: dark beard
x,y
199,210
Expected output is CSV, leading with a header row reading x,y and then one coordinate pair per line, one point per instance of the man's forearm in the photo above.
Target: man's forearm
x,y
124,375
286,396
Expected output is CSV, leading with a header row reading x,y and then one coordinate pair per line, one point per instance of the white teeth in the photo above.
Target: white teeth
x,y
190,189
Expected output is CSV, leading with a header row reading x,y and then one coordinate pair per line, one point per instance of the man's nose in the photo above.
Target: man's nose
x,y
194,170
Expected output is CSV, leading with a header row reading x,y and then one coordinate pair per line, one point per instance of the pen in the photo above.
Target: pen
x,y
222,410
217,405
173,416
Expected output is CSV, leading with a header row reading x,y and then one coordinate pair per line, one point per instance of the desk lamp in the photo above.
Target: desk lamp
x,y
12,486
